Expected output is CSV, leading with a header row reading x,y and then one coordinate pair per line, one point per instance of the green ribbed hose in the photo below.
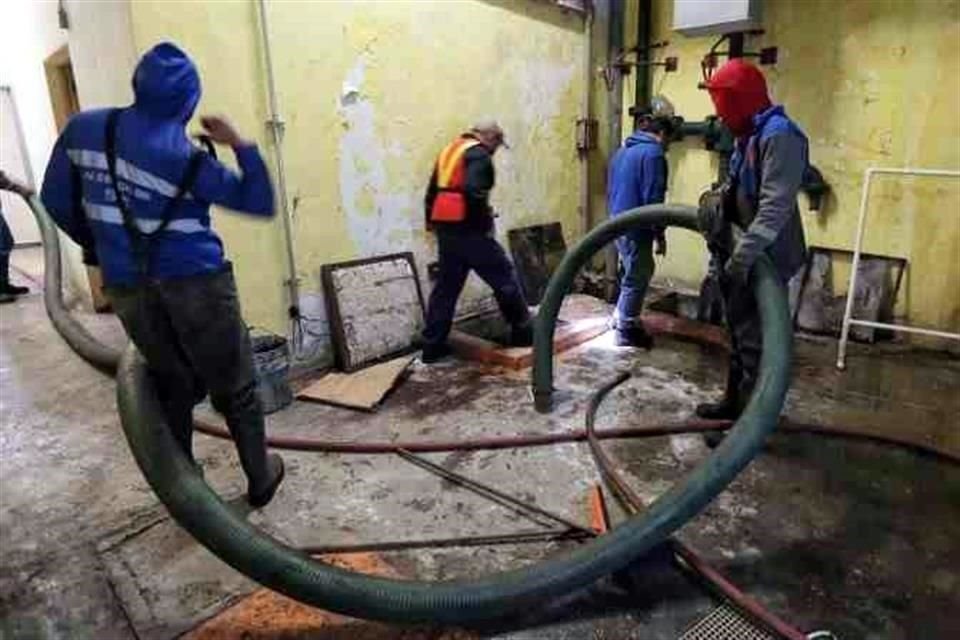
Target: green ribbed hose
x,y
101,356
562,280
225,531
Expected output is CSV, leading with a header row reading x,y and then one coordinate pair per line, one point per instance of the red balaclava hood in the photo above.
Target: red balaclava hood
x,y
739,92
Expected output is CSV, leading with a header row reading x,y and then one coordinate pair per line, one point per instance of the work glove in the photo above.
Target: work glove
x,y
710,217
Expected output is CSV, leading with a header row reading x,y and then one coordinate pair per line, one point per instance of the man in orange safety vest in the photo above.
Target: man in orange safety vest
x,y
458,211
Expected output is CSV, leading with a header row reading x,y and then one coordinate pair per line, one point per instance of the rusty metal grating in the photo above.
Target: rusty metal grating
x,y
726,623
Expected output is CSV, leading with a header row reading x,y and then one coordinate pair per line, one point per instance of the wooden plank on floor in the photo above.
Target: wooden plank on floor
x,y
363,389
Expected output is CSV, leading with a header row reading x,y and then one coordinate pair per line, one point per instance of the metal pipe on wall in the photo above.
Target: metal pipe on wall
x,y
586,115
275,123
644,79
615,15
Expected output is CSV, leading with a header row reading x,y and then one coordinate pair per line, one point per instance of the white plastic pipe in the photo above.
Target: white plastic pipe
x,y
848,319
276,128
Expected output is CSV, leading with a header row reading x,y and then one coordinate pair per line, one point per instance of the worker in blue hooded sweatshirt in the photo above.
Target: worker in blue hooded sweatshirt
x,y
638,177
132,190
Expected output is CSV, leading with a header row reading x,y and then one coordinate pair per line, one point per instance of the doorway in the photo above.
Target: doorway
x,y
62,86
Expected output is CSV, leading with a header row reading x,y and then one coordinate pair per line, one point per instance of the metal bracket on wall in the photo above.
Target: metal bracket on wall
x,y
587,130
735,49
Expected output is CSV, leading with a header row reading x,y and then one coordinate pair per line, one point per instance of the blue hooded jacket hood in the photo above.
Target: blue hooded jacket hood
x,y
166,83
640,137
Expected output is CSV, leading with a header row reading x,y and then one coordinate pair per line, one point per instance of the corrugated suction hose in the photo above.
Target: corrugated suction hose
x,y
225,531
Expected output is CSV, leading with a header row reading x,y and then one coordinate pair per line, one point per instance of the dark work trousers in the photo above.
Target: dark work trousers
x,y
746,338
6,246
194,340
460,251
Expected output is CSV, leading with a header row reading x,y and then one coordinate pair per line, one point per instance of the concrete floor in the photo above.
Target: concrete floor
x,y
850,536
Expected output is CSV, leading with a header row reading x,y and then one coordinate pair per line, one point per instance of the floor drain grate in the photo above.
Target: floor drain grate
x,y
726,623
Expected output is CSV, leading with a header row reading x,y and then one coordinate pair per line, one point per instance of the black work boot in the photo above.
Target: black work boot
x,y
634,337
521,335
261,496
728,408
13,290
435,352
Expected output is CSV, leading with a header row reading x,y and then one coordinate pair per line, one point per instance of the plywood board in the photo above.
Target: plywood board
x,y
375,308
363,389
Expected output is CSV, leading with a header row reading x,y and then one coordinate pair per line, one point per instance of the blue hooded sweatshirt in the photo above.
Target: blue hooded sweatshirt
x,y
637,174
153,151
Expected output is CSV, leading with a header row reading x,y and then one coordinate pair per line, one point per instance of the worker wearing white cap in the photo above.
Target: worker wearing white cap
x,y
457,207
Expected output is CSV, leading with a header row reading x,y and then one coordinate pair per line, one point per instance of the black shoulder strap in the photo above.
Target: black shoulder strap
x,y
186,182
140,238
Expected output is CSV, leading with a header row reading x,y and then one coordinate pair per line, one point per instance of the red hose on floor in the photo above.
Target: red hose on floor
x,y
297,443
498,442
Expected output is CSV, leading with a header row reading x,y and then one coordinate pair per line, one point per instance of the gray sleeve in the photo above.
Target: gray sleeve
x,y
783,158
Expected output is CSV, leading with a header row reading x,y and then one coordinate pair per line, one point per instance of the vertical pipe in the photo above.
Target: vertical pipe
x,y
615,16
735,41
644,80
587,115
276,129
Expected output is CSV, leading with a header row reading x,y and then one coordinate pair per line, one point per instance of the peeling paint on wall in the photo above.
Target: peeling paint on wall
x,y
377,218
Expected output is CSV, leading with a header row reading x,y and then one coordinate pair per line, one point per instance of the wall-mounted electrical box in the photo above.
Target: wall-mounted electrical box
x,y
704,17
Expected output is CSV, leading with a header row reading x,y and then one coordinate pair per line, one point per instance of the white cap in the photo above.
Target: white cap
x,y
489,126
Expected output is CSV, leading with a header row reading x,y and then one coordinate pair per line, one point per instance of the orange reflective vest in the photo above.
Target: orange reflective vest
x,y
450,204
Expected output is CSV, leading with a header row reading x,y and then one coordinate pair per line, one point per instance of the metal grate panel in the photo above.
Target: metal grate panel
x,y
726,623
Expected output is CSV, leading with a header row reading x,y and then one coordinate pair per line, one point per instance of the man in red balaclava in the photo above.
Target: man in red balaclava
x,y
758,215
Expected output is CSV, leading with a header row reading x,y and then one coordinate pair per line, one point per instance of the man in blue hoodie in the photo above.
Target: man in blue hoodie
x,y
637,177
132,190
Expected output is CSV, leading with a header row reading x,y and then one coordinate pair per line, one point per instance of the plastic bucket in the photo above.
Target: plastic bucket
x,y
271,362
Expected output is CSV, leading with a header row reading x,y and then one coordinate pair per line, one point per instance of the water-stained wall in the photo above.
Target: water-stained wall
x,y
370,92
873,84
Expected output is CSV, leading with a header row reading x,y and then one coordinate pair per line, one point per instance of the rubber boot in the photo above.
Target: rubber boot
x,y
435,352
521,335
13,290
263,495
728,408
634,337
244,417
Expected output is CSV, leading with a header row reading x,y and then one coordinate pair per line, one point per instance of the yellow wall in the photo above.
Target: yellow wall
x,y
873,83
370,92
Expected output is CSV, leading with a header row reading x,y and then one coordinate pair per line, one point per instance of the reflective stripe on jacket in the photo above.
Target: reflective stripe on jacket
x,y
450,204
